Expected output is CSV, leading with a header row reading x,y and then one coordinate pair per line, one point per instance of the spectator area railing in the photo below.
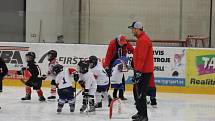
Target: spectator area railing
x,y
190,41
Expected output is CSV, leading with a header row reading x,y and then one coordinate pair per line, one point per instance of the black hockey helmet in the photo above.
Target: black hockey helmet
x,y
83,67
93,60
31,55
57,69
52,54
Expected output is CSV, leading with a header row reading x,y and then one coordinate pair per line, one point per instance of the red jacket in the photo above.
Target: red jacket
x,y
111,54
143,54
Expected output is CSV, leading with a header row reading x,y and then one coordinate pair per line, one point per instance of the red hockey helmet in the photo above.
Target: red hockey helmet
x,y
121,39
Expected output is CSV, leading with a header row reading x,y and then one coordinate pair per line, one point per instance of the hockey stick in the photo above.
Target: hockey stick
x,y
87,106
22,80
75,87
138,95
79,92
111,107
109,97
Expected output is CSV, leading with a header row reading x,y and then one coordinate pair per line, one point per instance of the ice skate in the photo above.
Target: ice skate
x,y
98,105
141,118
42,99
92,109
123,98
27,97
83,108
72,107
59,110
51,97
135,116
154,103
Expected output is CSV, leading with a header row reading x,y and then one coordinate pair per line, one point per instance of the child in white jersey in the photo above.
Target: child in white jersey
x,y
64,84
88,82
101,78
119,67
52,58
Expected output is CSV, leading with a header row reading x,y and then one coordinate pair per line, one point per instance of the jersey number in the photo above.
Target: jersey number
x,y
64,81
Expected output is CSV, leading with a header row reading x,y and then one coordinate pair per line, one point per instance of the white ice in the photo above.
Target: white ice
x,y
171,107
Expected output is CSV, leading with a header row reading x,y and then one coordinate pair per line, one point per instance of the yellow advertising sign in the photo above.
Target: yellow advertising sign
x,y
200,68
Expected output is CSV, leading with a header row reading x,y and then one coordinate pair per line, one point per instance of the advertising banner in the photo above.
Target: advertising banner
x,y
169,66
68,54
200,68
169,62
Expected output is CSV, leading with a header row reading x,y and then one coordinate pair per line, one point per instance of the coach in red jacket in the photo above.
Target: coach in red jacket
x,y
117,48
143,69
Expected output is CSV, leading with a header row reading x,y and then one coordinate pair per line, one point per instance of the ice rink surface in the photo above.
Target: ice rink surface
x,y
171,107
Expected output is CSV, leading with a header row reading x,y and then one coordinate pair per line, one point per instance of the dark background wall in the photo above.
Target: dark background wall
x,y
12,20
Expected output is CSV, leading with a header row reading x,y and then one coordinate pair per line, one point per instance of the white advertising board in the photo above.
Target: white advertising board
x,y
169,66
169,62
68,54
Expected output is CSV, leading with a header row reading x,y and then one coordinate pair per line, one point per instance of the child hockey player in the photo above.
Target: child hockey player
x,y
102,80
64,84
52,55
88,82
3,72
34,79
119,67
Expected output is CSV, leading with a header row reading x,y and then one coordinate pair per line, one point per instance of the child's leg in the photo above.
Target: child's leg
x,y
72,104
40,95
28,93
71,99
91,103
98,97
62,99
104,92
92,92
37,86
85,100
115,93
53,90
61,103
84,104
107,97
122,89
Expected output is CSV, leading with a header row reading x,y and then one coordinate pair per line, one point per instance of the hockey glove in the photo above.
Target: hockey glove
x,y
132,62
24,68
43,77
120,67
108,71
137,76
85,93
19,72
82,83
76,77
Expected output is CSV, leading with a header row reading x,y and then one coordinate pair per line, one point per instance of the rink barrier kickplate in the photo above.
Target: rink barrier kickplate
x,y
129,87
